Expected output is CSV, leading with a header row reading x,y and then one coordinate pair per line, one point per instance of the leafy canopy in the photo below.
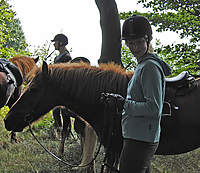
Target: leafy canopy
x,y
12,39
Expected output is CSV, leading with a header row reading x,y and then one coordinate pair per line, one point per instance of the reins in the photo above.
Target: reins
x,y
59,159
111,134
28,118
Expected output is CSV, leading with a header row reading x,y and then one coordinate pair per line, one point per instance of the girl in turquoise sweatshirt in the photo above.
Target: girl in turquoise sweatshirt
x,y
143,105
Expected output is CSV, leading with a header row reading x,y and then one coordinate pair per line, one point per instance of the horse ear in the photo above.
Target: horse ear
x,y
45,69
36,59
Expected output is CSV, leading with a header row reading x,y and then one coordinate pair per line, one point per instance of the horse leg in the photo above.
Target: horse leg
x,y
11,101
89,145
65,131
57,121
79,127
13,137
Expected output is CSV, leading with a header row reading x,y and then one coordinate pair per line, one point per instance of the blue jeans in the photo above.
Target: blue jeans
x,y
136,156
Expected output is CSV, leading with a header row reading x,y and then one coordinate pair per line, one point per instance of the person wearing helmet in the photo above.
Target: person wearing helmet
x,y
142,107
60,42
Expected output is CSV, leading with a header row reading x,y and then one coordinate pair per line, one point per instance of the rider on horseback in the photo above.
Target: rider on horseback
x,y
60,42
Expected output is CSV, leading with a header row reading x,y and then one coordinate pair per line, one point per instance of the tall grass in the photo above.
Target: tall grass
x,y
29,157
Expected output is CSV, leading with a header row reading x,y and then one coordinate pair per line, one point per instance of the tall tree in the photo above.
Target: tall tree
x,y
111,32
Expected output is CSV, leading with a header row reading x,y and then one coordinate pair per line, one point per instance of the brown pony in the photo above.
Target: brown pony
x,y
79,88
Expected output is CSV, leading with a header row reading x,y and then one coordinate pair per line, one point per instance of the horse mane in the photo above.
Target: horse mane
x,y
24,63
80,80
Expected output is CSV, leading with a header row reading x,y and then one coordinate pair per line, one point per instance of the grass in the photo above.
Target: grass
x,y
29,157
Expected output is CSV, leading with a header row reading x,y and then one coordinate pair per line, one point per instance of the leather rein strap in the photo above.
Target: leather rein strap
x,y
28,118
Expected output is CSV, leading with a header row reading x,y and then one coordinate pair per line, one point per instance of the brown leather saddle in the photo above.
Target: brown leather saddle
x,y
177,86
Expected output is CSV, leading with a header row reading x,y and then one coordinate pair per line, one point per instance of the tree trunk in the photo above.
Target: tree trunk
x,y
111,32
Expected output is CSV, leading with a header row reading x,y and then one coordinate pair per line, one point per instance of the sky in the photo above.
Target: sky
x,y
79,20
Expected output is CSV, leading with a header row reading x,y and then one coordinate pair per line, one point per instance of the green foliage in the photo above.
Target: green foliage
x,y
46,122
12,40
4,111
128,59
181,57
17,40
182,17
42,52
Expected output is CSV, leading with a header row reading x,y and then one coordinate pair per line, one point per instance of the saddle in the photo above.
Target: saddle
x,y
177,86
9,68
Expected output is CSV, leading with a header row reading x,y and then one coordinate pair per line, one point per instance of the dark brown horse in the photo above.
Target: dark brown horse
x,y
80,89
15,69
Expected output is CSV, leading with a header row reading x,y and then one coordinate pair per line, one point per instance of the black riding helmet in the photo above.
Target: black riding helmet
x,y
61,38
136,26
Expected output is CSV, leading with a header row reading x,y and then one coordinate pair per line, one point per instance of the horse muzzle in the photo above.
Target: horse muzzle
x,y
12,125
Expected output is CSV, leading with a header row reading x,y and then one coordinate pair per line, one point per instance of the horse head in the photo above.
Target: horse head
x,y
29,103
